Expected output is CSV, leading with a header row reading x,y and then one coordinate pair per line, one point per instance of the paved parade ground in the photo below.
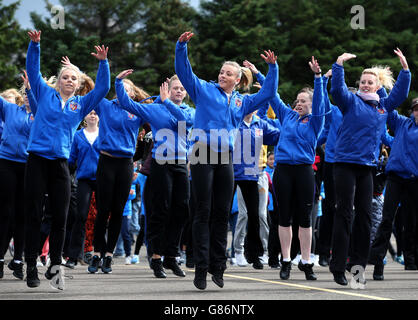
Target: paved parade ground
x,y
136,282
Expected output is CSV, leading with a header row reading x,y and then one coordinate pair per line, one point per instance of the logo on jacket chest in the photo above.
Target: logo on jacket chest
x,y
238,103
305,120
258,132
131,116
74,106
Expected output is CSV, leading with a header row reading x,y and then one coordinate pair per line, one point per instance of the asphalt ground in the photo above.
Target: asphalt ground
x,y
244,287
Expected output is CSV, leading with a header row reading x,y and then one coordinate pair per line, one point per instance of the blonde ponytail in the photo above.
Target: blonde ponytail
x,y
246,79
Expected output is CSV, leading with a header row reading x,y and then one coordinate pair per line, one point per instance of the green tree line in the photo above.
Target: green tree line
x,y
142,35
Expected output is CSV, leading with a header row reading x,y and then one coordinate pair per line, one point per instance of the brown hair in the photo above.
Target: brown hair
x,y
86,85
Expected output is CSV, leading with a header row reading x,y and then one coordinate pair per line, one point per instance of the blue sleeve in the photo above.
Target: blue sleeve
x,y
271,134
327,103
260,78
343,98
262,114
262,111
188,79
395,120
323,137
144,111
180,114
33,67
280,108
4,104
33,104
101,88
387,139
328,112
382,93
266,93
72,160
399,92
318,108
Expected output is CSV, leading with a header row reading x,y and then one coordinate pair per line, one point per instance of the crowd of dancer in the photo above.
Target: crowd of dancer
x,y
64,143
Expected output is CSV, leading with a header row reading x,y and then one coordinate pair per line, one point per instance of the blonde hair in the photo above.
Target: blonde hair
x,y
18,97
72,68
383,75
246,79
172,79
307,90
236,65
170,83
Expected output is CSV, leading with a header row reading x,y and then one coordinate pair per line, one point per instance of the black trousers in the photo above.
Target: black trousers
x,y
213,186
274,247
404,192
114,180
170,201
328,212
12,218
85,189
147,202
186,235
52,177
295,190
72,214
253,246
354,188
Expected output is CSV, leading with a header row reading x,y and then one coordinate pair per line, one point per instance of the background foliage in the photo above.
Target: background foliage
x,y
142,35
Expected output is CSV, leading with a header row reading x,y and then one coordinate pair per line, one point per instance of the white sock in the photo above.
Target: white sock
x,y
1,260
17,261
286,260
305,261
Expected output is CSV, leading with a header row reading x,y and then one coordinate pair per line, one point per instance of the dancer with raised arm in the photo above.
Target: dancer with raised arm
x,y
356,153
59,113
219,111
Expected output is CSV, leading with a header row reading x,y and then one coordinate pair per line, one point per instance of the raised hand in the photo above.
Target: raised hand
x,y
269,57
186,36
345,57
101,52
164,93
25,80
124,74
35,36
65,61
402,58
329,73
315,66
250,66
